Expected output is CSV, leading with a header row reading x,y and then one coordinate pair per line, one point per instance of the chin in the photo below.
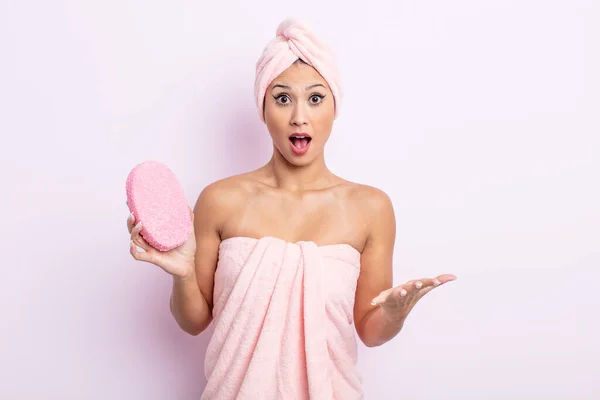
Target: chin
x,y
298,160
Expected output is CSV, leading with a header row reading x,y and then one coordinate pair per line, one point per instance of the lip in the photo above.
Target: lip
x,y
300,134
297,151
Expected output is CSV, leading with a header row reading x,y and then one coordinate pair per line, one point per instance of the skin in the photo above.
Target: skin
x,y
316,204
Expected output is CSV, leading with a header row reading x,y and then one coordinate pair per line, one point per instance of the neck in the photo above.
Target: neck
x,y
294,178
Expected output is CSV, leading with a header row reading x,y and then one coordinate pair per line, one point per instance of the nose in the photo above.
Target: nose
x,y
299,115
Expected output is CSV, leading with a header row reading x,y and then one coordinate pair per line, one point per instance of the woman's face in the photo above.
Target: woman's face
x,y
299,113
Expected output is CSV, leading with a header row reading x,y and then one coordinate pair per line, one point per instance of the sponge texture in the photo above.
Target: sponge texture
x,y
158,201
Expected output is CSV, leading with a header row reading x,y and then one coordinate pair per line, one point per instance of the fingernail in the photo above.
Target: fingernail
x,y
138,225
436,282
419,285
403,293
373,303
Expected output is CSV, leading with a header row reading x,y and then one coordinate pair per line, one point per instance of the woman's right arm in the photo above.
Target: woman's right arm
x,y
192,295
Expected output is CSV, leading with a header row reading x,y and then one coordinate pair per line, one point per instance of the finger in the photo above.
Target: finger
x,y
425,290
138,239
426,282
135,231
402,291
141,242
381,297
445,278
139,255
436,282
409,287
130,222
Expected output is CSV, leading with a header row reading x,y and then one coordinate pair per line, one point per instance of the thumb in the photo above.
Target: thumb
x,y
381,297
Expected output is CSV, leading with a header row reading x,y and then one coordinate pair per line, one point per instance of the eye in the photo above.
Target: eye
x,y
282,99
316,99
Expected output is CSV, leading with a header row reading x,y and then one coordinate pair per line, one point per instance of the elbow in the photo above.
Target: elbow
x,y
198,327
192,332
371,342
191,327
374,337
367,339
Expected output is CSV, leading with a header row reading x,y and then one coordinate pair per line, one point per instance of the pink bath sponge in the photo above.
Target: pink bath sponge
x,y
157,200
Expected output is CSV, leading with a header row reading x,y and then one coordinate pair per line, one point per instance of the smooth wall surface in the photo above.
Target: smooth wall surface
x,y
480,119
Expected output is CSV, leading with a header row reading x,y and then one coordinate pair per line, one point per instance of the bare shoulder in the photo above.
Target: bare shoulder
x,y
369,199
372,208
223,191
221,198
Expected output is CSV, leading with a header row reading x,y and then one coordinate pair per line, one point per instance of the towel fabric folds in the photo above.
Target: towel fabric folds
x,y
283,322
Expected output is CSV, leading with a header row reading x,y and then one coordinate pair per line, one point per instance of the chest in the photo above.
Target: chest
x,y
323,219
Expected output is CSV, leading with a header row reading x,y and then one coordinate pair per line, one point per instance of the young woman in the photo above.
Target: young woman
x,y
290,259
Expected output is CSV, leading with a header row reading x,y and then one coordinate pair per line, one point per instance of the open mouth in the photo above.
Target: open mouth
x,y
300,141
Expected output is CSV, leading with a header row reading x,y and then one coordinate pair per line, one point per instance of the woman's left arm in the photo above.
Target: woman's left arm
x,y
380,309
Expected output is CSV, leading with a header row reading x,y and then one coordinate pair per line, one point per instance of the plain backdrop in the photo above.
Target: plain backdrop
x,y
480,119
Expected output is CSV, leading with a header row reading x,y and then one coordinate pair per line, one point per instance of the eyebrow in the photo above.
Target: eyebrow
x,y
280,85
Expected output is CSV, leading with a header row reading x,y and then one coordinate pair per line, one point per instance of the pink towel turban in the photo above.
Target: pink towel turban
x,y
293,41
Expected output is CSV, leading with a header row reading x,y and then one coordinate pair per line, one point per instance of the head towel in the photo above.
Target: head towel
x,y
294,40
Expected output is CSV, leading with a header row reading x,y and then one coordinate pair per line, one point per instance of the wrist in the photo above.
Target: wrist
x,y
189,274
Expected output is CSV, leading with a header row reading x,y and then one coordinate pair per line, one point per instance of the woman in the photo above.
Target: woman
x,y
287,260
